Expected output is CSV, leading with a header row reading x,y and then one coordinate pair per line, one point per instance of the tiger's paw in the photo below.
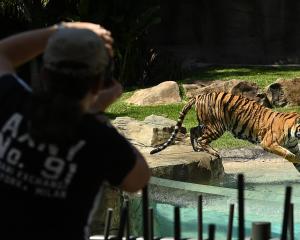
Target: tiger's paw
x,y
292,158
216,155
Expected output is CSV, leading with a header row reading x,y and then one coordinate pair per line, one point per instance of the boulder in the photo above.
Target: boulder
x,y
234,86
154,130
164,93
193,89
284,92
180,162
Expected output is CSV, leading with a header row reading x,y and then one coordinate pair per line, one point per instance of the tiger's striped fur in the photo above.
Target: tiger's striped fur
x,y
276,132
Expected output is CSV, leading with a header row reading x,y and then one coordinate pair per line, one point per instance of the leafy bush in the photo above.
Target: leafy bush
x,y
128,20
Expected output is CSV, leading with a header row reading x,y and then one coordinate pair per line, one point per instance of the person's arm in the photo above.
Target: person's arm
x,y
123,165
138,177
20,48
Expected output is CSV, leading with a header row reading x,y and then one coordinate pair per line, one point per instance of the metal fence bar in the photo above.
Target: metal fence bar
x,y
177,230
260,230
241,222
291,222
230,222
287,203
151,224
127,226
123,220
211,231
109,213
145,213
200,218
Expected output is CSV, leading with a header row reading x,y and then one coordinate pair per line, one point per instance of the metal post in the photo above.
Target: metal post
x,y
200,218
291,222
151,224
287,203
241,222
127,228
230,222
211,231
123,220
261,231
107,223
145,213
177,230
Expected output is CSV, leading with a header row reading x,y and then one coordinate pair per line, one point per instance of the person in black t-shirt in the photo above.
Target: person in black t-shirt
x,y
55,151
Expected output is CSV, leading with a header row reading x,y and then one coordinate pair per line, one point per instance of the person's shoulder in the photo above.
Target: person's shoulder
x,y
10,80
7,77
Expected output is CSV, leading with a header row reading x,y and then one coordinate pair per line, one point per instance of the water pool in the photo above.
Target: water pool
x,y
263,202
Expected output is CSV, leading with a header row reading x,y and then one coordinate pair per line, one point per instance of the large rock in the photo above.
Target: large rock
x,y
153,131
284,92
197,87
180,162
234,86
165,93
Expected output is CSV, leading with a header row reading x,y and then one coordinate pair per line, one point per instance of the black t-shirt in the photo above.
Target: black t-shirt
x,y
49,191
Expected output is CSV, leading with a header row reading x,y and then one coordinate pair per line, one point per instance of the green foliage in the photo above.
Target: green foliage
x,y
129,22
228,141
15,9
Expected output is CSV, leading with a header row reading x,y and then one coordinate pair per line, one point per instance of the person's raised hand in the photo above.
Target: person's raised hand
x,y
107,96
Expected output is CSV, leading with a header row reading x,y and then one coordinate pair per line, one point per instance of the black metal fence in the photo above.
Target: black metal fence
x,y
259,231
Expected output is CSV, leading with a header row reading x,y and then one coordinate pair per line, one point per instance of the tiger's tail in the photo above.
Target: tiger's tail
x,y
178,125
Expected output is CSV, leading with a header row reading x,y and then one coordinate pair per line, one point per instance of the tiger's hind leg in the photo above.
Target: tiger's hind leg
x,y
195,133
207,148
208,135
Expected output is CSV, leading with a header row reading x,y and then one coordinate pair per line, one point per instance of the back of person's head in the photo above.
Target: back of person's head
x,y
74,62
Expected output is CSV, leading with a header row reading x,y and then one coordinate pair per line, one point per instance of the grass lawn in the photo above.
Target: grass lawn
x,y
263,76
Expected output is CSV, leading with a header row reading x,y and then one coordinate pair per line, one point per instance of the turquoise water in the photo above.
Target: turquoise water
x,y
164,220
263,202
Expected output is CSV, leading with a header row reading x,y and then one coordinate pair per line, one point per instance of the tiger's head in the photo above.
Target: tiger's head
x,y
296,129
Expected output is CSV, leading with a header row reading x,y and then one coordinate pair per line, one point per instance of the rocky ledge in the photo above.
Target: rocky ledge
x,y
178,161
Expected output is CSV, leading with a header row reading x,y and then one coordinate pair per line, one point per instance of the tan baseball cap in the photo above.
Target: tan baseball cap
x,y
81,46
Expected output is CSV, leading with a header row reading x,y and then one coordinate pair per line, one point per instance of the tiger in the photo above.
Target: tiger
x,y
217,112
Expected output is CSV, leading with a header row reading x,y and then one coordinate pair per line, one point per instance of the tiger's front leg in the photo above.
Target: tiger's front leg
x,y
294,148
274,147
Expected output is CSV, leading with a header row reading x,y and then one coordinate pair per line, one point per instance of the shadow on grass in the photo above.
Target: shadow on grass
x,y
220,73
113,116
